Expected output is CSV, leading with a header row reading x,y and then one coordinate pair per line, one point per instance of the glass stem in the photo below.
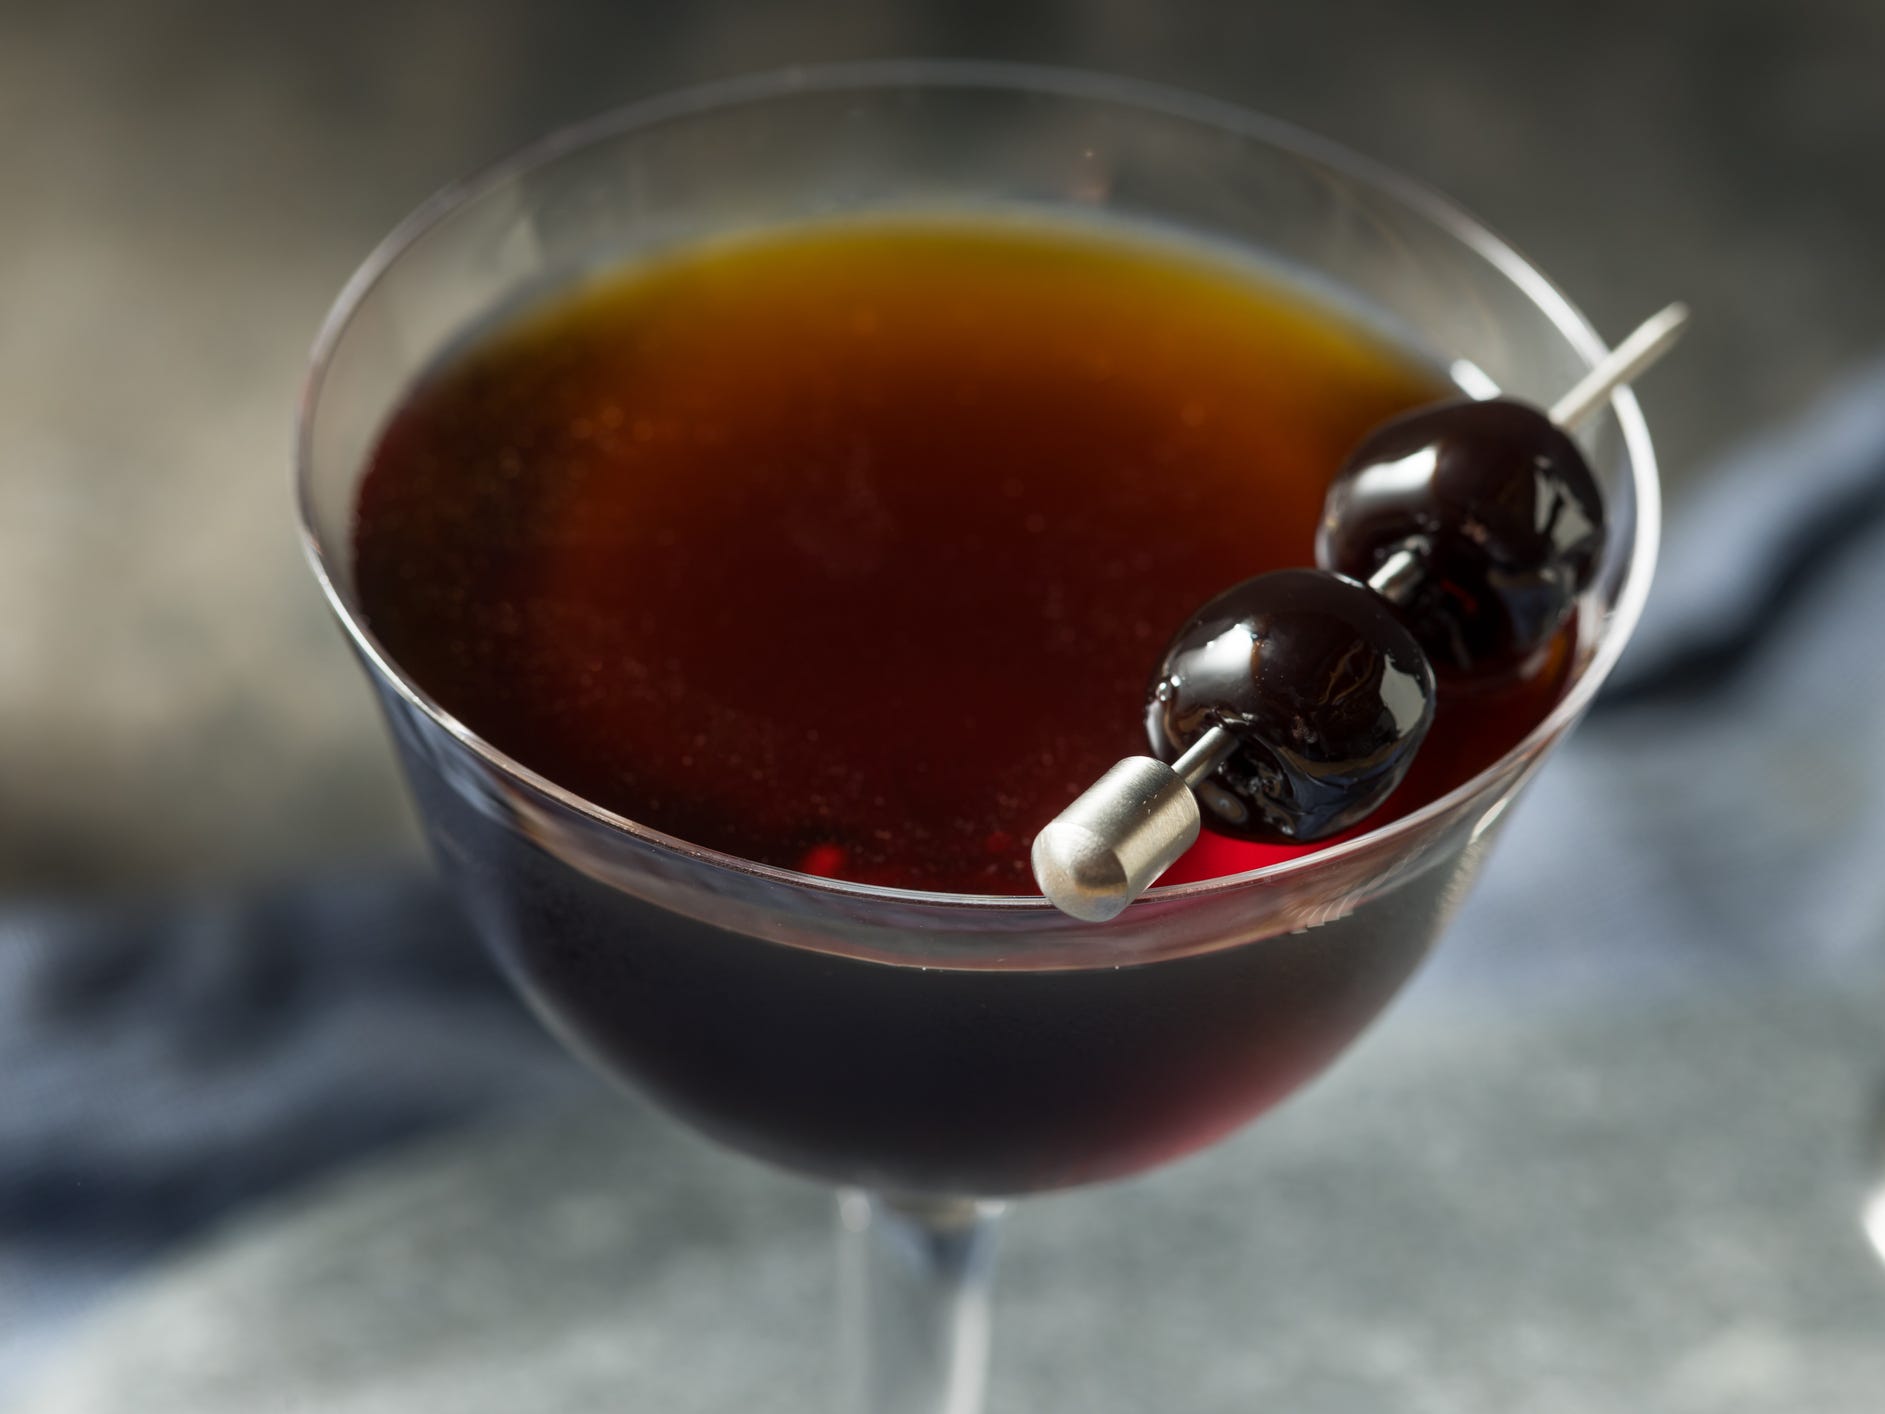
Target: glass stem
x,y
913,1290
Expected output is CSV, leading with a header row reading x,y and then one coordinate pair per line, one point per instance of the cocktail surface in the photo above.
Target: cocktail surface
x,y
851,548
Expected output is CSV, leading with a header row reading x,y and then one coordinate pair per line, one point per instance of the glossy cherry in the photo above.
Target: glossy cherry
x,y
1326,691
1501,511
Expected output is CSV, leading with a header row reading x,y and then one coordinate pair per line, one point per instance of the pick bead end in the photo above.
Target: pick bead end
x,y
1111,844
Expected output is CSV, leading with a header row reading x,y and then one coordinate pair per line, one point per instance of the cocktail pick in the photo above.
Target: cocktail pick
x,y
1428,515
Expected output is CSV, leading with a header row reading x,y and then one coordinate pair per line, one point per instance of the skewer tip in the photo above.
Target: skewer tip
x,y
1638,352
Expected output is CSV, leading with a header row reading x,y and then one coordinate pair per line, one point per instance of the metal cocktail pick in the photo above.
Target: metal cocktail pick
x,y
1130,826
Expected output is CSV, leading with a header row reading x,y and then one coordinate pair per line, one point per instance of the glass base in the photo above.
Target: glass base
x,y
1656,1210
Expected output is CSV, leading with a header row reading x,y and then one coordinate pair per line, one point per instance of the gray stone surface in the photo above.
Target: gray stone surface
x,y
1673,1231
187,185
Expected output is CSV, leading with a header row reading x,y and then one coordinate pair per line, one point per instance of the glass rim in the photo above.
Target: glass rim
x,y
1014,78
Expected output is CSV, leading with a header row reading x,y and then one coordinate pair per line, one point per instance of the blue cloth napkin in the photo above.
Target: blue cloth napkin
x,y
1723,810
163,1066
1723,807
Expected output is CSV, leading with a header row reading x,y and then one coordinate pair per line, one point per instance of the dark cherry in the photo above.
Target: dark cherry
x,y
1327,692
1501,509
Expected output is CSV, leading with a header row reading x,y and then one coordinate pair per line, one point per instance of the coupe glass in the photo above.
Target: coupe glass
x,y
934,1054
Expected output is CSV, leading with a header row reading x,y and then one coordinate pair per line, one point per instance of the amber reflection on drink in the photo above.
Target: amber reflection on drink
x,y
851,549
